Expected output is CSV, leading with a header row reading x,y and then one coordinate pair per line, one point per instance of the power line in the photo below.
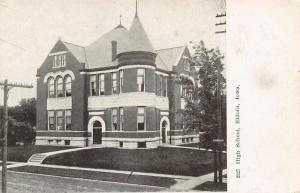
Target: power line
x,y
12,44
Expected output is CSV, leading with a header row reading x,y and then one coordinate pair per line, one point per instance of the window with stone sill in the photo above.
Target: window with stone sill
x,y
68,118
60,120
165,82
141,80
114,83
121,81
93,85
141,126
51,122
101,84
160,85
114,119
121,119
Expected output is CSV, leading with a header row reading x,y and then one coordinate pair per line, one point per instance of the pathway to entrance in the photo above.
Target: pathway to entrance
x,y
196,181
40,157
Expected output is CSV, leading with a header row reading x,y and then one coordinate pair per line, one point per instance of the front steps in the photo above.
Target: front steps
x,y
37,158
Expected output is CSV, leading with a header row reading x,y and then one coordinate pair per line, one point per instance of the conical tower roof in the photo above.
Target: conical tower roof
x,y
139,37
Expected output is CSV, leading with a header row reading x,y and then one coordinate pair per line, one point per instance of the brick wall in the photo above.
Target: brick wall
x,y
79,98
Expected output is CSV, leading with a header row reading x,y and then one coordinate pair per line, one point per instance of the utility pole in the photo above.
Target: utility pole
x,y
6,87
218,143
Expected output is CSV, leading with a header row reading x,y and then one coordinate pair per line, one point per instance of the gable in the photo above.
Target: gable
x,y
170,57
59,47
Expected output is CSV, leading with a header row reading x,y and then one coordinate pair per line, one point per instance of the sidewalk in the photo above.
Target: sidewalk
x,y
184,147
193,183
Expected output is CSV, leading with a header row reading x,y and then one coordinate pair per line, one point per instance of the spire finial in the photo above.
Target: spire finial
x,y
120,19
136,12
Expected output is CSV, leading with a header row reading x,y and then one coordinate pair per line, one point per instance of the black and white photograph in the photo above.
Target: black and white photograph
x,y
114,96
137,96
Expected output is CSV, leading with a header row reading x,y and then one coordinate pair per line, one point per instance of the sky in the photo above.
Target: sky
x,y
30,28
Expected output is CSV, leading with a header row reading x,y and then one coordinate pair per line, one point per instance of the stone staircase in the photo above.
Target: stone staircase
x,y
37,158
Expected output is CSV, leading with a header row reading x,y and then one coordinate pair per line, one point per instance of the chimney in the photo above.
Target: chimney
x,y
113,50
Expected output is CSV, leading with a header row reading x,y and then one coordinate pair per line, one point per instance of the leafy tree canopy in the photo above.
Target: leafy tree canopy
x,y
200,112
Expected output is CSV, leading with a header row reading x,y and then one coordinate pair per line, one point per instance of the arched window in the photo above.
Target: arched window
x,y
51,92
59,87
68,86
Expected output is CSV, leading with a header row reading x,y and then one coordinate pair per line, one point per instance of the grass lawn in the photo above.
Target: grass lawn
x,y
102,176
209,186
23,153
164,160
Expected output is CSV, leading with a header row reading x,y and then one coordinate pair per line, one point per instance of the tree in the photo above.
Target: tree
x,y
200,112
28,108
21,122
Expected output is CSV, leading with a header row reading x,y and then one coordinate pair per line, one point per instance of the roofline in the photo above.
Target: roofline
x,y
171,48
118,66
73,44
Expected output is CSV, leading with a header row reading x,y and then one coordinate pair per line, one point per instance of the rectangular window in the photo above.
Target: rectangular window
x,y
68,119
186,65
186,91
166,86
121,119
164,93
54,61
67,142
114,119
183,91
101,84
121,81
141,144
63,60
160,85
141,119
93,85
141,80
114,83
60,120
51,122
59,60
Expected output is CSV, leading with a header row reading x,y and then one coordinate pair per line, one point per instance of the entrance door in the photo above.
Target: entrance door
x,y
163,132
97,133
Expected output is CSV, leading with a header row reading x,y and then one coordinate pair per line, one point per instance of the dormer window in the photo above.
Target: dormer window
x,y
186,66
59,61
